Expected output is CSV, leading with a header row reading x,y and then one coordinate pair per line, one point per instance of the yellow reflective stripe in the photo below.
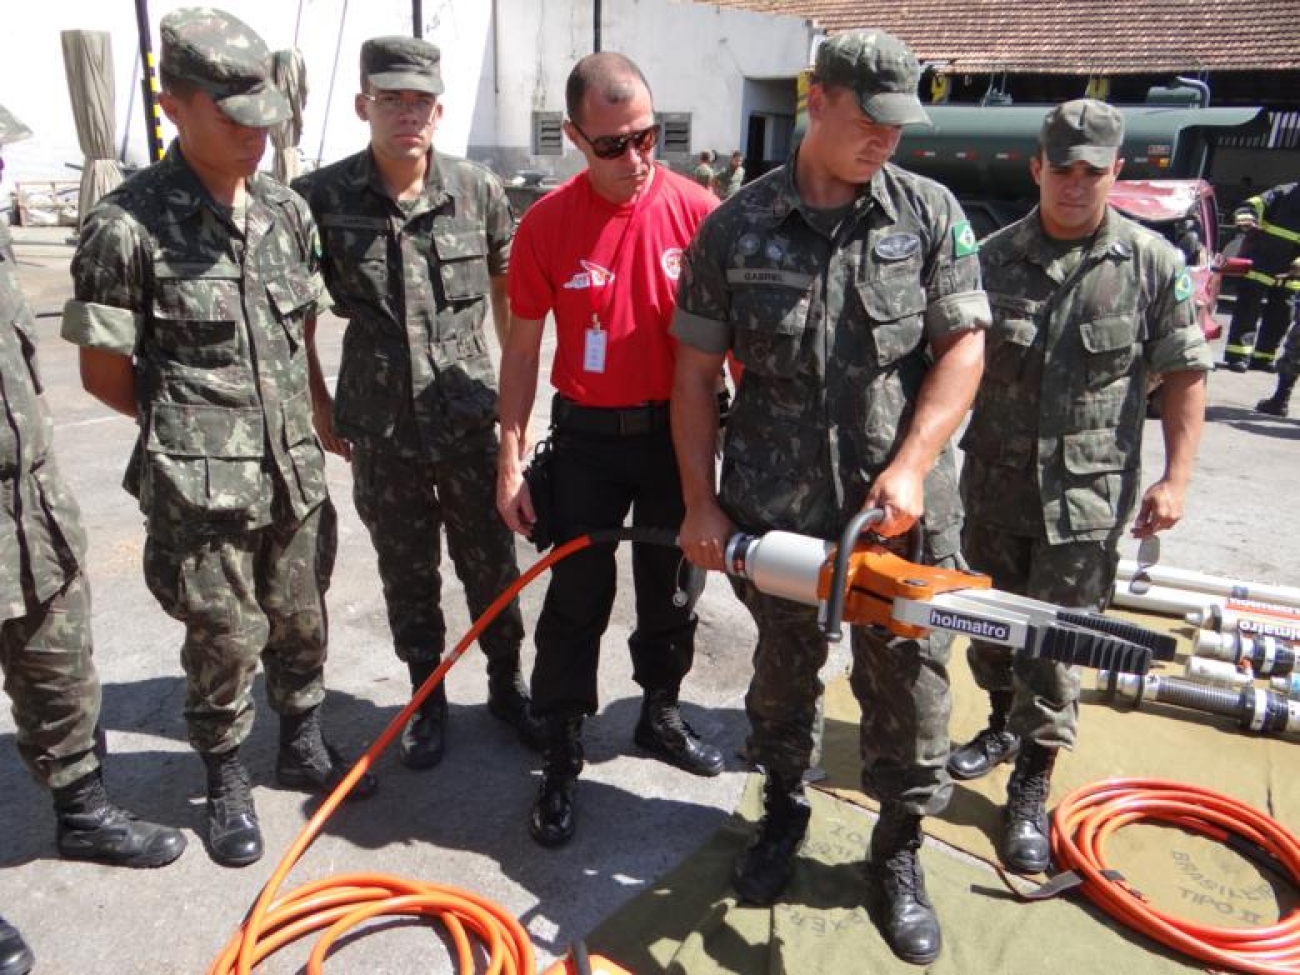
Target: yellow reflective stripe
x,y
1277,230
1264,356
1265,279
1237,349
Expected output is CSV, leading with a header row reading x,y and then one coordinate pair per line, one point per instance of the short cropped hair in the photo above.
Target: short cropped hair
x,y
612,75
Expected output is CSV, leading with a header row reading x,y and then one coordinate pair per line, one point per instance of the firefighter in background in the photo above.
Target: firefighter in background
x,y
1288,366
1271,221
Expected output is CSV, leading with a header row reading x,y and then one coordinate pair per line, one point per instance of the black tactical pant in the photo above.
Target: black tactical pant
x,y
50,678
405,503
1271,309
245,596
1076,575
597,479
901,685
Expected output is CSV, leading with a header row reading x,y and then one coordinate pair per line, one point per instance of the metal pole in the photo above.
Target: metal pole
x,y
149,83
417,18
595,25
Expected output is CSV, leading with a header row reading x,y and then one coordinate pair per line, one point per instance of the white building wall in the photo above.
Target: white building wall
x,y
501,60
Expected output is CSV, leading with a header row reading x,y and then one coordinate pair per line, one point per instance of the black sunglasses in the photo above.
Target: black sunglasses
x,y
613,146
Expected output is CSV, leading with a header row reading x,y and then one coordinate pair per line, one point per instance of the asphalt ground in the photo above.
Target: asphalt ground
x,y
464,823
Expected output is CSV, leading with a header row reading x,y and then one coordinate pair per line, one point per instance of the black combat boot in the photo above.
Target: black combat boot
x,y
763,870
1279,403
662,731
552,822
91,827
234,837
307,761
424,739
1026,847
991,747
15,957
508,701
901,908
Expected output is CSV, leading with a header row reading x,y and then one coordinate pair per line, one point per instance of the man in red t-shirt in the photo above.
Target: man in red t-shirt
x,y
602,253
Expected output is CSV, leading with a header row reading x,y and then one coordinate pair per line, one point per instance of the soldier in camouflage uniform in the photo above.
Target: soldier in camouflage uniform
x,y
45,636
192,284
1086,305
413,243
849,290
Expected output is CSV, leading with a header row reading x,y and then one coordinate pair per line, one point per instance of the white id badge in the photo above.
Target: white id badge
x,y
593,356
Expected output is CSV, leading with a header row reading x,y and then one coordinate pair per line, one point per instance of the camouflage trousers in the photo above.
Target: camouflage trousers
x,y
901,685
242,596
51,681
1076,575
405,503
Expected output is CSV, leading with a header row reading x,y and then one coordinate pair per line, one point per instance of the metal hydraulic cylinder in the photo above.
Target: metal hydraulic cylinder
x,y
1266,655
1264,712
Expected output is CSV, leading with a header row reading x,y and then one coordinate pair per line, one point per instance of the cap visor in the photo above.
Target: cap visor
x,y
406,81
894,108
259,109
12,128
1102,157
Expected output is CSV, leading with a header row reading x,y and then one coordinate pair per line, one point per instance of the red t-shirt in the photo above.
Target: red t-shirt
x,y
576,253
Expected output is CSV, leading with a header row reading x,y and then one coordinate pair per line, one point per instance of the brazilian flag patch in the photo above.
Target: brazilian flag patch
x,y
1183,286
964,243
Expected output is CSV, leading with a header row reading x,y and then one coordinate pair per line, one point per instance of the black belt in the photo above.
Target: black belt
x,y
622,421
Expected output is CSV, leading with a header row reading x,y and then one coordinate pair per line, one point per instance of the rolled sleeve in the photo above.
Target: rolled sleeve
x,y
96,326
703,315
108,307
1182,350
500,225
706,334
961,312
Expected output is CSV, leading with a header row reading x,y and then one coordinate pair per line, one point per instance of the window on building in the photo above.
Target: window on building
x,y
548,133
675,140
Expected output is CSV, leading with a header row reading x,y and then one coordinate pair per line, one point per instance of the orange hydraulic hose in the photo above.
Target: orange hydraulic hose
x,y
1087,818
341,902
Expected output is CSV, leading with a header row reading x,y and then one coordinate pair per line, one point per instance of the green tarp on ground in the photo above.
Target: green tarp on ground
x,y
690,922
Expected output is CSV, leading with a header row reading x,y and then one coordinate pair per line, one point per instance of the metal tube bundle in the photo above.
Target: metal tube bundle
x,y
1187,580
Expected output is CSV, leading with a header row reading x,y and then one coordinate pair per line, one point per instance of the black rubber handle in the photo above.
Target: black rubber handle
x,y
1163,646
1084,648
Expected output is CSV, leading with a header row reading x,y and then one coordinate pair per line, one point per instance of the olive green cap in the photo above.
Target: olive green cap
x,y
221,55
12,128
880,69
1084,129
402,64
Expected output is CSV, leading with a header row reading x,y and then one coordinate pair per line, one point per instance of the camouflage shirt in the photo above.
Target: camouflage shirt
x,y
212,307
40,527
413,282
832,329
1053,448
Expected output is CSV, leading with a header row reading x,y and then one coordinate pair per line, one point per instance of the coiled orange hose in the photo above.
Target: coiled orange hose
x,y
340,903
1087,818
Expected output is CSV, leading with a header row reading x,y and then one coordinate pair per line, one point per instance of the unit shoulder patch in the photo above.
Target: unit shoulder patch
x,y
1183,286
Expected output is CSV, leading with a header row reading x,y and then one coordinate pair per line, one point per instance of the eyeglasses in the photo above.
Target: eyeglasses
x,y
613,146
391,103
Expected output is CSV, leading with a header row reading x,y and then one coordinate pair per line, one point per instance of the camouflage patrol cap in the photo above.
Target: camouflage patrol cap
x,y
1083,129
11,128
221,55
880,69
402,64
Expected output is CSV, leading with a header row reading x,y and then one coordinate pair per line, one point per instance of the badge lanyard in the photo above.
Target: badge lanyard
x,y
595,339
